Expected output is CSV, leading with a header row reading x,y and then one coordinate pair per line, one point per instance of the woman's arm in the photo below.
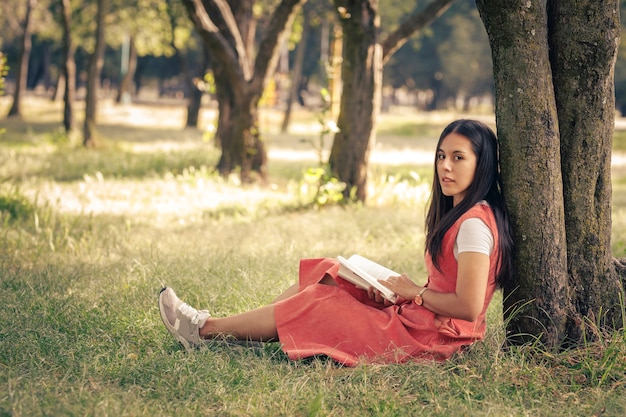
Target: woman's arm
x,y
465,303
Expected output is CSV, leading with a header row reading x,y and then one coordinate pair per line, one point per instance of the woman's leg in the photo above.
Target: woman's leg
x,y
190,326
258,325
293,290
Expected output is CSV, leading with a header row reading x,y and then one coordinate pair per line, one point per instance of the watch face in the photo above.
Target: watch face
x,y
418,300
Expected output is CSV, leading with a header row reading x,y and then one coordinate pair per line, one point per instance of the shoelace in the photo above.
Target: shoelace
x,y
191,313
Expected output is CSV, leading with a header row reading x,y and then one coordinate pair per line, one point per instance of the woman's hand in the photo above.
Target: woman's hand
x,y
402,285
377,296
468,299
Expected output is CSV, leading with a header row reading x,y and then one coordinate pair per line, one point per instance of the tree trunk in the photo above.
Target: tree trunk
x,y
21,73
129,67
225,121
250,153
194,103
542,302
93,76
195,91
59,87
360,100
296,73
333,71
69,67
583,38
39,66
226,30
236,119
361,74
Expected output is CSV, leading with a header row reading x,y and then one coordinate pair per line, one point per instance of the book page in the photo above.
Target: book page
x,y
376,270
346,273
361,269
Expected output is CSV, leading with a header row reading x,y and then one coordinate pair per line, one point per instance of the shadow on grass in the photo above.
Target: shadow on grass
x,y
73,164
119,153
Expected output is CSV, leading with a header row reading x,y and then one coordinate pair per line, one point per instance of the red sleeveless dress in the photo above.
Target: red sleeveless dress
x,y
343,323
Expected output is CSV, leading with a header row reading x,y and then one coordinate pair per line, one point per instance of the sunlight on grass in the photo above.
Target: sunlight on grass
x,y
88,238
182,197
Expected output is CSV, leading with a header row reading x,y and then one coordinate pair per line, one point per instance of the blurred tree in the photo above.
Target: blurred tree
x,y
3,74
44,34
93,75
555,118
76,21
228,30
3,71
140,28
311,42
24,55
304,23
315,51
68,65
465,58
363,59
448,64
181,38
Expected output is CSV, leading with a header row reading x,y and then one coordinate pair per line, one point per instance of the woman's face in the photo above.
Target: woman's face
x,y
456,166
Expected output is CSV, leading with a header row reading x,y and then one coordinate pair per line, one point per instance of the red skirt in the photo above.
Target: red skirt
x,y
343,323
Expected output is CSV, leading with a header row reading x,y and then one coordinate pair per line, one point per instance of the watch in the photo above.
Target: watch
x,y
418,298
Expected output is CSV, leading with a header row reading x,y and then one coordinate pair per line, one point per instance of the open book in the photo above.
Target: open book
x,y
365,273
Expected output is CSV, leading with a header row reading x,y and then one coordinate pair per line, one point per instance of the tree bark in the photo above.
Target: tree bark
x,y
93,77
547,127
69,67
583,38
21,73
225,120
360,99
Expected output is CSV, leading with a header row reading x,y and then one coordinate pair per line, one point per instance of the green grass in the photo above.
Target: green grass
x,y
619,141
88,237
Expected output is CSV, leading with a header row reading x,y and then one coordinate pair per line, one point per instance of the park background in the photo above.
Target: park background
x,y
90,235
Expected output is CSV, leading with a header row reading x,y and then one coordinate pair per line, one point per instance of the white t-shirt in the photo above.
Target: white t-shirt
x,y
474,236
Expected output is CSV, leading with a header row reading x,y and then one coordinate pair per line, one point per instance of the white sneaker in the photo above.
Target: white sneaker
x,y
182,320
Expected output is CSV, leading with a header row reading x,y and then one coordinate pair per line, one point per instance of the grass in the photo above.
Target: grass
x,y
88,237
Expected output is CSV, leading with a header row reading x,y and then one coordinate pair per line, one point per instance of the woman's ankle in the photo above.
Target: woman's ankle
x,y
208,330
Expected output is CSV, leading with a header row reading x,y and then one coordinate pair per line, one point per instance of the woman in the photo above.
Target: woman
x,y
468,254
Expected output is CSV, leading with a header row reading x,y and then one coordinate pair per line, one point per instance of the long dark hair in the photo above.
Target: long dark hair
x,y
487,185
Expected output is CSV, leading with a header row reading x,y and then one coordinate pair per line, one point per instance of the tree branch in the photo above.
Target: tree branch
x,y
414,23
218,44
230,24
266,57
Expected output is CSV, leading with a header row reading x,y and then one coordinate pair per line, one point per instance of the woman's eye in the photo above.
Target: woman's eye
x,y
441,156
